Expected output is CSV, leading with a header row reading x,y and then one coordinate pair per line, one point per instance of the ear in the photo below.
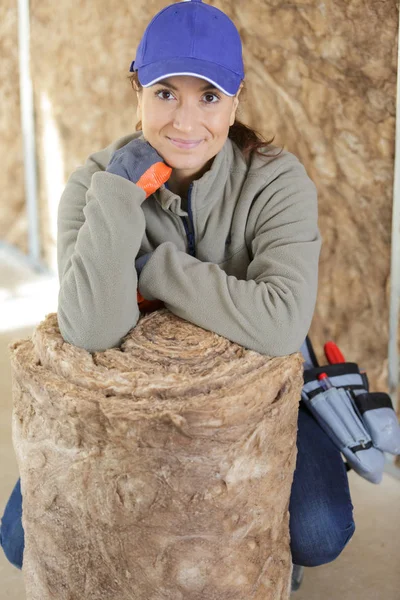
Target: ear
x,y
235,105
139,106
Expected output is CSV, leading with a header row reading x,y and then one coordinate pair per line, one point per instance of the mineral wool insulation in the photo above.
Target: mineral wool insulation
x,y
158,470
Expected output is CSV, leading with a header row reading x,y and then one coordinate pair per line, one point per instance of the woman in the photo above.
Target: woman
x,y
224,235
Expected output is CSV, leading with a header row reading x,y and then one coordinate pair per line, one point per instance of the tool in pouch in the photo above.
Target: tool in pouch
x,y
362,424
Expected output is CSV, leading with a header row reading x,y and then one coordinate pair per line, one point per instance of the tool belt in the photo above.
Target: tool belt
x,y
362,424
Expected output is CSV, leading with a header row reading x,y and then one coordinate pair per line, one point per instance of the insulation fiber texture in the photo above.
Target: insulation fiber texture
x,y
161,469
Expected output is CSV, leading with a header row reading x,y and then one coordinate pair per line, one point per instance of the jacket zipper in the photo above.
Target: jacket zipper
x,y
189,227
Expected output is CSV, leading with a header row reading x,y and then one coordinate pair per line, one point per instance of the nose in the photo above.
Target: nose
x,y
185,117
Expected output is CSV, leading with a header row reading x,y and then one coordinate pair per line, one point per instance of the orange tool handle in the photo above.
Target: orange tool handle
x,y
333,354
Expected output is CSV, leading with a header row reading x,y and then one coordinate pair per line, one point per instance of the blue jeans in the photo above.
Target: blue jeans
x,y
321,511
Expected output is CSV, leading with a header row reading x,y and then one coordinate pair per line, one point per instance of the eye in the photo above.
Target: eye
x,y
166,91
161,92
215,96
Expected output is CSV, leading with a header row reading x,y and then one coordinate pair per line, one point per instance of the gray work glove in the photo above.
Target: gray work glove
x,y
140,163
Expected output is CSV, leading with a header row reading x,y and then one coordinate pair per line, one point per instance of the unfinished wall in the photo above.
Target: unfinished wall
x,y
321,77
13,226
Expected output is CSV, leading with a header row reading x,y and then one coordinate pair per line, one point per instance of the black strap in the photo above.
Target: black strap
x,y
347,386
361,447
311,352
334,370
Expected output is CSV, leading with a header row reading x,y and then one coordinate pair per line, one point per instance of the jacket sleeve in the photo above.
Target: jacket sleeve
x,y
100,227
271,311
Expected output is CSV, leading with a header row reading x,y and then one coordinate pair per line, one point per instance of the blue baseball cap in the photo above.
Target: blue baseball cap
x,y
191,38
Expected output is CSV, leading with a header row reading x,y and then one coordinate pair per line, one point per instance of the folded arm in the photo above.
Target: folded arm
x,y
100,228
269,312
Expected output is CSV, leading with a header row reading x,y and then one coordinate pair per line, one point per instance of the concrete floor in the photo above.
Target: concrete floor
x,y
367,569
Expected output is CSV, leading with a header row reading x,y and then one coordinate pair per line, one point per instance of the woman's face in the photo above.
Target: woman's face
x,y
187,108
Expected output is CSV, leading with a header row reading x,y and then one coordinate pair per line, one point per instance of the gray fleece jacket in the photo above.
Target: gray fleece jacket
x,y
242,261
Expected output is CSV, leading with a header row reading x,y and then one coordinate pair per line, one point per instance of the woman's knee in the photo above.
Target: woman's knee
x,y
321,511
13,545
321,542
12,538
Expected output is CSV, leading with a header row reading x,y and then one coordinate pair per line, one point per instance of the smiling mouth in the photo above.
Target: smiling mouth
x,y
184,145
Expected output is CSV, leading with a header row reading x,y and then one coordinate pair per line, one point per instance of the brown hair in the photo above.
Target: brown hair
x,y
248,140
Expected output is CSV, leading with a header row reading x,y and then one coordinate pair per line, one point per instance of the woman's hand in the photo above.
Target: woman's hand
x,y
140,163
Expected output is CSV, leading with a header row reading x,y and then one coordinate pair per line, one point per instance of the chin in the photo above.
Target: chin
x,y
183,162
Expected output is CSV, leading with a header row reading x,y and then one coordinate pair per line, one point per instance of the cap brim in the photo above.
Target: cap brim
x,y
224,79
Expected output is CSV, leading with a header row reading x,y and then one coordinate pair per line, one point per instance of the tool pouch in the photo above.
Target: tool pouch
x,y
379,417
362,424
